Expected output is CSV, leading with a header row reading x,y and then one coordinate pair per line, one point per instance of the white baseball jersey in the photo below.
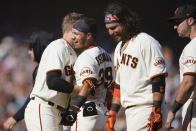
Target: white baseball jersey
x,y
57,56
141,61
187,61
95,63
187,64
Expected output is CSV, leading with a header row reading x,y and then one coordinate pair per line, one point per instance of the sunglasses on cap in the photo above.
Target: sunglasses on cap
x,y
178,21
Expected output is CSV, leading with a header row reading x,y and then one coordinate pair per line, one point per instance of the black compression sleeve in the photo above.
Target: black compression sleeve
x,y
158,84
55,82
20,113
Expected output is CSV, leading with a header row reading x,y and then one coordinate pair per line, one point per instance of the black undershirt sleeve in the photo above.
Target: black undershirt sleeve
x,y
158,84
20,113
55,82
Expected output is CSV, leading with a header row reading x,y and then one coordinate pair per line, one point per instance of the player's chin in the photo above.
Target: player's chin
x,y
76,45
117,38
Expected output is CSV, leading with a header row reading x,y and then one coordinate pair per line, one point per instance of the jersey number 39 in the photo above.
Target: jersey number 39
x,y
105,76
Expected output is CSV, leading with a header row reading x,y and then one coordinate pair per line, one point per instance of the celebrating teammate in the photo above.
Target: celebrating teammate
x,y
94,73
184,21
53,84
38,42
140,71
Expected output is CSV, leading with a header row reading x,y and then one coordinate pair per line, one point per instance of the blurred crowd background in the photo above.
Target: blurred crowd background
x,y
20,18
16,80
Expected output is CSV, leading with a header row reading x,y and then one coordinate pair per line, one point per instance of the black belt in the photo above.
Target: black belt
x,y
130,106
51,104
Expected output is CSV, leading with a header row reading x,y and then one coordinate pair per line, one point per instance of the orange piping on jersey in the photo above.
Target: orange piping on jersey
x,y
189,73
40,117
116,93
89,78
165,74
53,70
191,114
127,40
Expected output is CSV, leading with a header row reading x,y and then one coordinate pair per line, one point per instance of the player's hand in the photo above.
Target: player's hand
x,y
68,117
111,120
9,124
170,118
155,119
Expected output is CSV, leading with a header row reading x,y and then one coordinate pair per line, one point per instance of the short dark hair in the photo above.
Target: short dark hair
x,y
129,19
91,22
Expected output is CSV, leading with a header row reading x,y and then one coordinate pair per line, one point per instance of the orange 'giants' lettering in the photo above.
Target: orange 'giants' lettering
x,y
127,60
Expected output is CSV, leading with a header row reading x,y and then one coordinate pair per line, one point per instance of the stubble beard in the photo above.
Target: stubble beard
x,y
185,32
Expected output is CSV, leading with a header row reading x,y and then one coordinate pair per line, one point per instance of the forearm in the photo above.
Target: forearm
x,y
184,92
157,96
116,101
20,113
76,89
158,90
85,90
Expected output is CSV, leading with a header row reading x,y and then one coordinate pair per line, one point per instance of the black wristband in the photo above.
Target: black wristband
x,y
176,106
115,107
79,101
157,104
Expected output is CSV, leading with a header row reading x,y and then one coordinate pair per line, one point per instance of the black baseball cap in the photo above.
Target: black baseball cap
x,y
184,12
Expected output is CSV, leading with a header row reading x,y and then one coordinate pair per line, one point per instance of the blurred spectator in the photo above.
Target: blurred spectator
x,y
172,82
37,44
15,78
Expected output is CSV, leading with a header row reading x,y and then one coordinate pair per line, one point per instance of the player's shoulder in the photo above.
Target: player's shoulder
x,y
59,44
190,47
146,40
89,53
192,43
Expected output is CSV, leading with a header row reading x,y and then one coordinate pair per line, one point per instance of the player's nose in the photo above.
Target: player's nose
x,y
111,32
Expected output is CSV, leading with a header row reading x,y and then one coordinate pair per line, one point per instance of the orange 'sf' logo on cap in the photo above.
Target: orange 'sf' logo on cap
x,y
175,12
188,14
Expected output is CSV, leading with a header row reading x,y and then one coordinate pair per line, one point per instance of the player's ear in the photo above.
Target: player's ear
x,y
191,21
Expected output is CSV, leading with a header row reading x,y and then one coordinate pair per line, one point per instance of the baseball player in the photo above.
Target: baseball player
x,y
38,42
94,74
53,83
184,20
140,71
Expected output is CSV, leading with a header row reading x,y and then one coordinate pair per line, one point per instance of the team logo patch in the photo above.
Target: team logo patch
x,y
189,61
159,61
85,72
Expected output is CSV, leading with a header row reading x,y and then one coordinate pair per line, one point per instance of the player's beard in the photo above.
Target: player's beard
x,y
185,31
